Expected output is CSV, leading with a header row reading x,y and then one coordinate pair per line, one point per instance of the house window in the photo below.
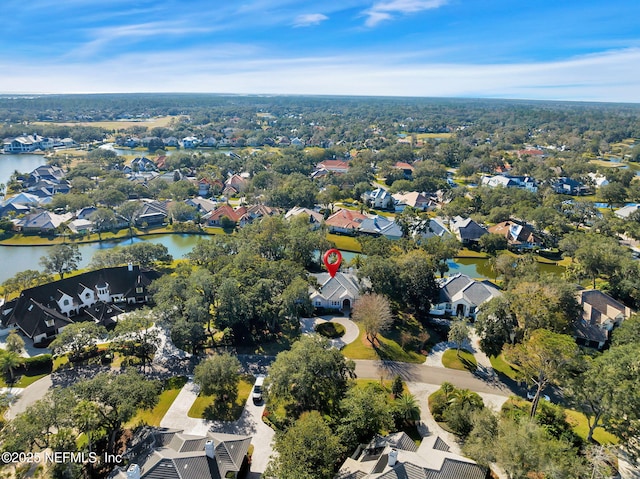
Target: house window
x,y
49,323
139,289
66,302
87,295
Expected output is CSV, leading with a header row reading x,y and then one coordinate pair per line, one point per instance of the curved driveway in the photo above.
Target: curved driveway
x,y
308,326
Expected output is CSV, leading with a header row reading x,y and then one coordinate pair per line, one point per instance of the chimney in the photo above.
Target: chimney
x,y
210,449
133,472
130,266
393,457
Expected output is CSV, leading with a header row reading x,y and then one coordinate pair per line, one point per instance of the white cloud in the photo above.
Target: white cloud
x,y
385,10
607,76
309,19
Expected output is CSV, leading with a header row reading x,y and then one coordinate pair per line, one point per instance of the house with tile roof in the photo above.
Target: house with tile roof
x,y
600,315
43,311
396,456
172,454
463,296
334,166
237,182
345,221
518,236
214,217
337,293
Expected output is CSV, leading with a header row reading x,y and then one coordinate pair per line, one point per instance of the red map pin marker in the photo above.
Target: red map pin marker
x,y
332,267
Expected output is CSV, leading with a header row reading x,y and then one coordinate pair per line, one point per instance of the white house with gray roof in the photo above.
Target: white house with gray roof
x,y
338,293
462,296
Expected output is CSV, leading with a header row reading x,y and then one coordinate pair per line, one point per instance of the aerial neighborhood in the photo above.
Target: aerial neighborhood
x,y
296,287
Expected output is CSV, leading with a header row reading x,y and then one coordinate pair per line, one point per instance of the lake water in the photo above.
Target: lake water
x,y
24,163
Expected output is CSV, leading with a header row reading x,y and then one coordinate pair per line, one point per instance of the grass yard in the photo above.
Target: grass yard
x,y
346,243
23,381
204,407
467,253
580,426
501,366
162,121
152,417
465,362
386,349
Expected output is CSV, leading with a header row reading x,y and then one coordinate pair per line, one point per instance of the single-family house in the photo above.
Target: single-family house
x,y
338,292
533,152
345,221
396,456
406,168
462,296
431,227
378,198
45,172
86,212
418,201
41,312
171,141
315,218
44,222
254,212
598,180
334,166
627,210
467,230
509,181
519,237
81,226
380,226
600,315
22,199
163,453
152,213
238,182
214,217
190,142
202,205
568,186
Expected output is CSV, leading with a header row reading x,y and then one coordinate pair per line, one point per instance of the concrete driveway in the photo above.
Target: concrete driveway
x,y
308,326
249,424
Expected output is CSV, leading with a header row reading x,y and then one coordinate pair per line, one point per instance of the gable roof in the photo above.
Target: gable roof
x,y
346,219
462,287
379,225
600,312
342,285
467,229
314,216
516,233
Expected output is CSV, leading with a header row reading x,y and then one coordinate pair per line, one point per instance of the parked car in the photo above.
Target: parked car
x,y
258,387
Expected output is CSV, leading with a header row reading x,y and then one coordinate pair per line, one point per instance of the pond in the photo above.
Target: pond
x,y
19,258
24,163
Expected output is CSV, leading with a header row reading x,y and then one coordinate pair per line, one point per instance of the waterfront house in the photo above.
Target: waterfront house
x,y
467,230
518,236
380,226
462,296
43,311
345,221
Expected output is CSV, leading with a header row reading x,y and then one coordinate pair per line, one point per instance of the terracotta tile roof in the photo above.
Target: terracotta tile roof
x,y
347,219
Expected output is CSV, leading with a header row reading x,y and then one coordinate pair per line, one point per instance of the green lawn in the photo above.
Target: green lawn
x,y
465,362
501,366
204,408
152,417
23,380
345,243
580,426
387,349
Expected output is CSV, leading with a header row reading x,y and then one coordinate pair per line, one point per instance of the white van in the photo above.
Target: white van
x,y
257,389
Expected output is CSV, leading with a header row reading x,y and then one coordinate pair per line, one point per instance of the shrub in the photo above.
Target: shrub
x,y
330,330
438,403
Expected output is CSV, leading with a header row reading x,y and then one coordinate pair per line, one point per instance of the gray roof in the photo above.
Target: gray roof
x,y
476,292
467,229
334,288
379,225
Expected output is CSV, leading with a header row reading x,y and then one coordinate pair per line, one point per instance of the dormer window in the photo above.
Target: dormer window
x,y
139,290
66,302
49,323
88,295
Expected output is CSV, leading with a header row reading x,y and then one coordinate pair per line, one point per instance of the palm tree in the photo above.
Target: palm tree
x,y
408,408
463,397
9,361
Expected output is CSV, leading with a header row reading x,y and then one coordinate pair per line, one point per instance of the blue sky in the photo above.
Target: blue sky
x,y
539,49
